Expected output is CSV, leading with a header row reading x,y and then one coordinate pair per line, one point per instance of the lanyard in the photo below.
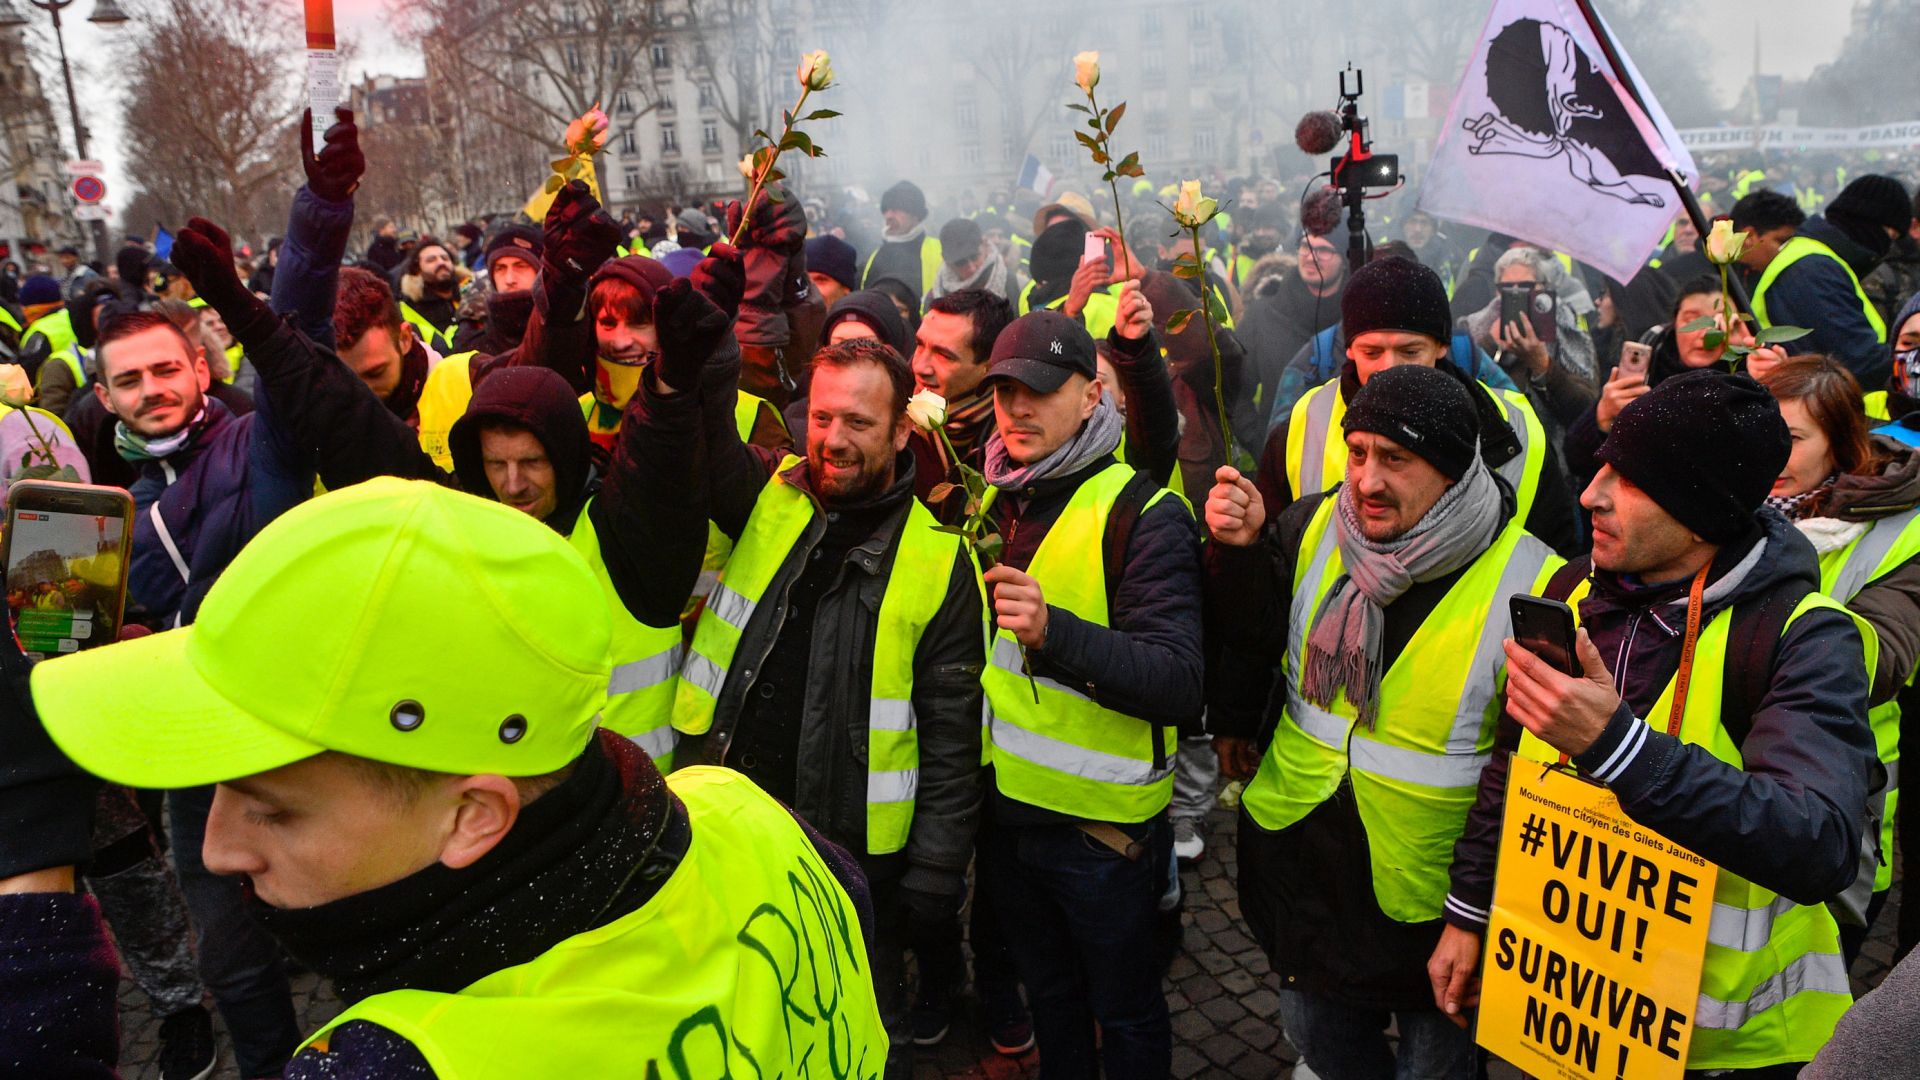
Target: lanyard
x,y
1684,676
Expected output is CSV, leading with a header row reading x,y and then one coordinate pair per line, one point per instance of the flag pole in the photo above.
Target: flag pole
x,y
1695,212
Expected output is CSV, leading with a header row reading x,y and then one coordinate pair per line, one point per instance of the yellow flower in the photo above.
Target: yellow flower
x,y
927,410
1086,71
816,70
16,390
1191,208
1723,244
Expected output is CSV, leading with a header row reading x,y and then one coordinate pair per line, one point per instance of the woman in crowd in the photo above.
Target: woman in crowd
x,y
1855,497
1550,356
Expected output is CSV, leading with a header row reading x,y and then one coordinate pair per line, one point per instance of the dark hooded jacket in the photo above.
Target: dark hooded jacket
x,y
1816,293
1790,818
492,322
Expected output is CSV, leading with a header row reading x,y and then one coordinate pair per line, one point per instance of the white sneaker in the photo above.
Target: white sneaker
x,y
1188,844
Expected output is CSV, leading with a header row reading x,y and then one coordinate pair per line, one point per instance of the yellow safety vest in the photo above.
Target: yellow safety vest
x,y
916,587
1874,404
7,319
443,400
930,263
435,337
1889,544
1773,984
1317,444
1415,774
645,661
1067,752
750,954
1793,251
1103,308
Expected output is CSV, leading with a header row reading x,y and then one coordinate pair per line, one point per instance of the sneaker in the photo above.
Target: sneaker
x,y
930,1021
1009,1026
187,1049
1188,844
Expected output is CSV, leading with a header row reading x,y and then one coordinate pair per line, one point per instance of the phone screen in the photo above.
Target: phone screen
x,y
1635,358
66,579
1544,628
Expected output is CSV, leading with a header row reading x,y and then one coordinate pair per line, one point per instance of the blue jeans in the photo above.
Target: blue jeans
x,y
1345,1042
239,962
1080,919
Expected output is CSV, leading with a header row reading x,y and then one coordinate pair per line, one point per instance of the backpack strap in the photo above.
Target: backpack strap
x,y
1753,644
1132,501
1568,578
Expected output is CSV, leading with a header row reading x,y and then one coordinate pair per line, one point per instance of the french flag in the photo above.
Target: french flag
x,y
1035,177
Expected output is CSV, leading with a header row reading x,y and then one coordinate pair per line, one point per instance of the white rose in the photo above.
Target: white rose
x,y
816,70
1723,244
927,410
1086,71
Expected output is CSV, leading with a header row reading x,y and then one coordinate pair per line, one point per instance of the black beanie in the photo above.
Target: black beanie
x,y
1706,446
1877,200
1056,252
907,196
524,241
1423,409
1396,293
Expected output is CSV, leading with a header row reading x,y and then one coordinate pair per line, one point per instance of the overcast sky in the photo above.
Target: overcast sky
x,y
1795,37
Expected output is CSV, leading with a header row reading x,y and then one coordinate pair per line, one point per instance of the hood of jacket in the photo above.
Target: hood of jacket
x,y
413,287
1893,489
1861,258
539,400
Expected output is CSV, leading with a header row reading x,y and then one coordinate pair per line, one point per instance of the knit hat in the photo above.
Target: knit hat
x,y
39,289
1878,200
833,257
960,241
875,311
1056,252
644,274
1706,446
681,261
906,196
1396,293
1423,409
524,241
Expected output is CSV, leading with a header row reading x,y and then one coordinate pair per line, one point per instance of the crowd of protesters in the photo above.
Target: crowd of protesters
x,y
482,569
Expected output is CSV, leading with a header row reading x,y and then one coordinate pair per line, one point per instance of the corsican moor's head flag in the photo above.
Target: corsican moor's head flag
x,y
1544,142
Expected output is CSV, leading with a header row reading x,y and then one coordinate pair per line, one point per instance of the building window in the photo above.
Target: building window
x,y
709,96
629,145
1199,54
1196,20
709,136
573,58
1156,145
1059,148
1150,22
669,139
1009,147
663,98
662,56
631,180
623,105
966,116
970,154
1153,65
1203,141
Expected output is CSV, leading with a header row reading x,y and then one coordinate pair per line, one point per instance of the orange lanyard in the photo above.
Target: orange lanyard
x,y
1684,676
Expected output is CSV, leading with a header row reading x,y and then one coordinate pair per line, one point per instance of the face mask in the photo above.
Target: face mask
x,y
1906,370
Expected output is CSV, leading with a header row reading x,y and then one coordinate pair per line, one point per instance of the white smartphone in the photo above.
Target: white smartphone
x,y
1096,248
1635,358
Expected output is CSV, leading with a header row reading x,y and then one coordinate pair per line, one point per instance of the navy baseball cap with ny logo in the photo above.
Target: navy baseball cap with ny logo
x,y
1040,350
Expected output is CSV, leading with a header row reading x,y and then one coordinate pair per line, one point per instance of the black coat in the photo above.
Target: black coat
x,y
1816,293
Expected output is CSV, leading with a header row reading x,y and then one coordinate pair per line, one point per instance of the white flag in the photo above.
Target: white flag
x,y
1544,142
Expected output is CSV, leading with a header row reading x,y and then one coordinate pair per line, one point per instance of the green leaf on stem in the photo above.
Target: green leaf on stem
x,y
1079,108
990,546
1133,170
758,134
1705,322
1714,339
1113,116
773,194
940,492
1095,124
1739,350
1087,140
950,530
1189,271
819,114
1775,335
1177,321
797,140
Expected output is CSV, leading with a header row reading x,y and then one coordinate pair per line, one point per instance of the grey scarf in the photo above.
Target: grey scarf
x,y
1344,646
991,277
1096,438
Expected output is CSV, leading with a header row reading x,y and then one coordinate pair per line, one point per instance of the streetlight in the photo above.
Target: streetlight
x,y
105,13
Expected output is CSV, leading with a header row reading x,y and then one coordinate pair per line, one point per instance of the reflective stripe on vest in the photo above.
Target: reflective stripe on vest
x,y
1773,984
645,660
922,566
443,400
750,954
1317,446
1797,248
1068,753
1891,543
1416,772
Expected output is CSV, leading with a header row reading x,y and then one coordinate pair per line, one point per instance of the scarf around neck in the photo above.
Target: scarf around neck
x,y
1343,650
136,448
992,277
1098,437
1805,504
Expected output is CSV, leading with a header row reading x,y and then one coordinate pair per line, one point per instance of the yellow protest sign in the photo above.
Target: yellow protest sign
x,y
1598,932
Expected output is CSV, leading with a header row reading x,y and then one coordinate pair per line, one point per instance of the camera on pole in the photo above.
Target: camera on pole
x,y
1350,175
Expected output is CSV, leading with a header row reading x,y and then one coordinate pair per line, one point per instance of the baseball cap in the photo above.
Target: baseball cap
x,y
394,620
1040,350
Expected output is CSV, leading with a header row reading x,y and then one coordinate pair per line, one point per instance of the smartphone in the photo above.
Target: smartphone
x,y
1095,248
1545,628
66,550
1635,358
1513,307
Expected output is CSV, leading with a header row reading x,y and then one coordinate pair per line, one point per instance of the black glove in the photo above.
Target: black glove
x,y
776,226
690,328
929,910
579,237
334,174
46,801
722,277
204,253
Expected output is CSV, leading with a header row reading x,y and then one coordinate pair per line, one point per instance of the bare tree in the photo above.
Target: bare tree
x,y
211,113
508,76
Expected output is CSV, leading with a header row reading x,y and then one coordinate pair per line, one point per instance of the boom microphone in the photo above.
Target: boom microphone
x,y
1320,212
1318,132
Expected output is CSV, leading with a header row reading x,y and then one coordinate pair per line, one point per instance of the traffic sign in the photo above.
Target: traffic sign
x,y
85,168
92,212
89,189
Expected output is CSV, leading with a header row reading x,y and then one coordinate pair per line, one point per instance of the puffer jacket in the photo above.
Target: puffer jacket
x,y
1790,820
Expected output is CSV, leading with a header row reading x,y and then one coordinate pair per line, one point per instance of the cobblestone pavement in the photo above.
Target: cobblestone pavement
x,y
1220,991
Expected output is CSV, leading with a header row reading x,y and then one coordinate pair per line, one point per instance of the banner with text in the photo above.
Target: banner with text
x,y
1786,137
1598,933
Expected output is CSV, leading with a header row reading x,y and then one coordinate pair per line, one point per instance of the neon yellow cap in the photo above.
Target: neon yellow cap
x,y
394,620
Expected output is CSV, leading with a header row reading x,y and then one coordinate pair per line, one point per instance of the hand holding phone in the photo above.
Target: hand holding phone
x,y
66,553
1545,628
1636,357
